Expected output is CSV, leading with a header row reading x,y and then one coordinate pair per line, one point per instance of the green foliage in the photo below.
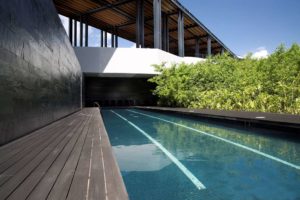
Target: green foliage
x,y
222,82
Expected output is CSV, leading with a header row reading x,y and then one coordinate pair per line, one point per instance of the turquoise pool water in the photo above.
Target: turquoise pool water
x,y
168,157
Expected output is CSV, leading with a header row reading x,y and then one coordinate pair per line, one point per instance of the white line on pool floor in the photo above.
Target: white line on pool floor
x,y
224,140
187,172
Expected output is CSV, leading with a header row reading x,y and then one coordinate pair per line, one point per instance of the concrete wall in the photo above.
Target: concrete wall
x,y
40,76
125,62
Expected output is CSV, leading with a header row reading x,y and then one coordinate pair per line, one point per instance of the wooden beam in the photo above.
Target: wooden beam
x,y
106,5
185,27
131,22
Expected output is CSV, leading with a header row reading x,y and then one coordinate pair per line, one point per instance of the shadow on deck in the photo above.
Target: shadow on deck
x,y
70,159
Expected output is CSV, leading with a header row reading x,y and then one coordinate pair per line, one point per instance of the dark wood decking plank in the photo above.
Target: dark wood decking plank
x,y
8,150
42,190
97,182
30,145
68,161
12,170
29,156
30,182
78,189
64,180
15,154
27,168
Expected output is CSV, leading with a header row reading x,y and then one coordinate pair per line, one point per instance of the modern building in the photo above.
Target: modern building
x,y
163,31
46,75
54,146
160,24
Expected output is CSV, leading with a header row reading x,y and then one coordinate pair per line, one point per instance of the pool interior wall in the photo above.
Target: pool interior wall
x,y
227,171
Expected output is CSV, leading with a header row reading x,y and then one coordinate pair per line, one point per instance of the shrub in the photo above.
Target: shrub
x,y
223,82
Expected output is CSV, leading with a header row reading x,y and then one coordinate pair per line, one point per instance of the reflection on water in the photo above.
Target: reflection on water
x,y
189,142
144,157
228,171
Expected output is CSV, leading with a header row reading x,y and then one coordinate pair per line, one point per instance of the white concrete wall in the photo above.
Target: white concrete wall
x,y
125,61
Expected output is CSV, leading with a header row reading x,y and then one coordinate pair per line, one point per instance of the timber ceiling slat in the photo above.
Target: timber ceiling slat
x,y
110,17
148,13
197,31
165,6
129,7
115,13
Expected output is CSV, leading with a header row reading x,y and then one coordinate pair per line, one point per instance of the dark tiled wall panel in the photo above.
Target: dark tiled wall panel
x,y
40,76
118,91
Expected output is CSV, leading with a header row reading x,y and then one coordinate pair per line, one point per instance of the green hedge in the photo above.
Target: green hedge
x,y
222,82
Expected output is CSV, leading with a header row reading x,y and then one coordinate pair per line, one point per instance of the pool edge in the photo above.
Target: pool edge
x,y
271,120
117,179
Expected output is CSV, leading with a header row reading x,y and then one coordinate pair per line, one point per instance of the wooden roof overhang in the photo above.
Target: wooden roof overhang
x,y
120,15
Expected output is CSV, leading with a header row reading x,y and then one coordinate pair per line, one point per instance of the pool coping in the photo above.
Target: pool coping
x,y
274,120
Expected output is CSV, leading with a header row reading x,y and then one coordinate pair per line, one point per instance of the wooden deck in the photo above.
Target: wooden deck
x,y
69,159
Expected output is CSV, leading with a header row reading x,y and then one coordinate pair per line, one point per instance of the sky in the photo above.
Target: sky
x,y
244,26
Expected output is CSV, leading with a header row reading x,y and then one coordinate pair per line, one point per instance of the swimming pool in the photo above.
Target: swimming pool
x,y
164,156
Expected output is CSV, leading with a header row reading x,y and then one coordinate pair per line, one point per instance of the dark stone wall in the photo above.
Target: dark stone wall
x,y
40,76
118,91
